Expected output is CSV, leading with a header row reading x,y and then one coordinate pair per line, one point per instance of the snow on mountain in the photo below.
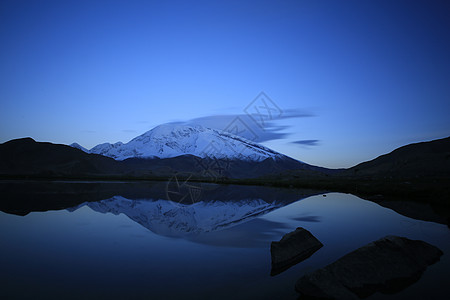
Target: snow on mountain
x,y
107,149
78,146
179,220
171,140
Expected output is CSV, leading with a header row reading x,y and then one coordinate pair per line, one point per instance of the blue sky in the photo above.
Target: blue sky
x,y
352,79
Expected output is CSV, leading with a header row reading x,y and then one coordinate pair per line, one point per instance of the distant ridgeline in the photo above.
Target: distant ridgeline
x,y
414,170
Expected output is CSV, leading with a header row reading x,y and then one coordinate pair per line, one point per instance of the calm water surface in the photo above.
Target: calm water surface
x,y
216,248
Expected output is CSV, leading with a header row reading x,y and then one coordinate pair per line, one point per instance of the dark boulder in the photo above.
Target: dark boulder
x,y
387,265
293,248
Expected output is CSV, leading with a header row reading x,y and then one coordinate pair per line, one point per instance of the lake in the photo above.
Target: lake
x,y
99,240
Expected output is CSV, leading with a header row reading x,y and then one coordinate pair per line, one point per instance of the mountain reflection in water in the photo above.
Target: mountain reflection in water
x,y
124,240
198,222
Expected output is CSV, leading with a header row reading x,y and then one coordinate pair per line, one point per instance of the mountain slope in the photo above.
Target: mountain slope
x,y
171,140
429,159
78,146
28,157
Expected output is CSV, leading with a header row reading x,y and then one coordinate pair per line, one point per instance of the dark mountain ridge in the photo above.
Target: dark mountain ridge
x,y
30,159
27,157
419,172
425,159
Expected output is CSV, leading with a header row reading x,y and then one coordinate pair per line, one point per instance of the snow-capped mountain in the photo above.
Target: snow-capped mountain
x,y
78,146
179,220
171,140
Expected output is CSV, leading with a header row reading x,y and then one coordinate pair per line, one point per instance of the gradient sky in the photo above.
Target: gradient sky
x,y
353,79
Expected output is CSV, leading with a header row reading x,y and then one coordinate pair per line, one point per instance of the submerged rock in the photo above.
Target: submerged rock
x,y
293,248
387,265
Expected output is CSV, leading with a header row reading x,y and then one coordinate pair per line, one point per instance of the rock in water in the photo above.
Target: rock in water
x,y
293,248
387,265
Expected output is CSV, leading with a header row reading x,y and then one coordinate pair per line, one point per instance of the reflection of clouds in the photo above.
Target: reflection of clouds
x,y
256,233
307,219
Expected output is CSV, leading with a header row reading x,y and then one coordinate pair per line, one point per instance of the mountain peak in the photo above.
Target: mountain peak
x,y
174,130
78,146
21,140
172,140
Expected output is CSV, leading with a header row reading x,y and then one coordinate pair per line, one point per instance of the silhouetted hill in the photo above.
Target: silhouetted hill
x,y
426,159
418,171
30,159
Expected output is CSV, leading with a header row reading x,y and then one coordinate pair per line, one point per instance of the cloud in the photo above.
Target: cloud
x,y
296,113
247,126
307,142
